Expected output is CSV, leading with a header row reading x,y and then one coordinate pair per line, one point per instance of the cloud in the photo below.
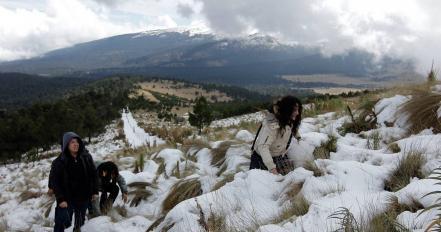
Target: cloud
x,y
185,10
404,28
108,2
167,21
26,33
30,32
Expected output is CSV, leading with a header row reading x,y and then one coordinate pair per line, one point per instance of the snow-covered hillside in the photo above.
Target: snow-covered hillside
x,y
233,198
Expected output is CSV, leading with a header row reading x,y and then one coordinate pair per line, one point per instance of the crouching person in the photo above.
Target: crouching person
x,y
108,182
73,180
273,138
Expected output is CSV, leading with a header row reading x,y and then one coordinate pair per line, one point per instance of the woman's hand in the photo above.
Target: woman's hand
x,y
63,204
274,171
124,197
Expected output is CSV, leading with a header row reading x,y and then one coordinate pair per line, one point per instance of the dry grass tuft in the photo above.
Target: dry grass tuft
x,y
297,206
172,135
155,223
312,166
421,111
408,166
325,149
374,140
214,223
48,206
3,224
121,210
140,184
181,191
432,74
139,163
387,221
26,195
120,131
319,106
346,220
366,119
219,152
160,170
227,178
435,225
139,195
197,144
393,147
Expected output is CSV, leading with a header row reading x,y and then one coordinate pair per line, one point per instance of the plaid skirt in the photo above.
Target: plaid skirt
x,y
283,164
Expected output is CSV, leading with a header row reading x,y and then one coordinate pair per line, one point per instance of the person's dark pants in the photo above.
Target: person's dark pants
x,y
63,216
107,200
257,162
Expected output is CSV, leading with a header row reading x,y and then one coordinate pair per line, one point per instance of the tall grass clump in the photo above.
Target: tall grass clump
x,y
435,225
218,153
374,140
387,220
371,222
140,192
421,111
363,119
181,191
409,166
432,74
324,150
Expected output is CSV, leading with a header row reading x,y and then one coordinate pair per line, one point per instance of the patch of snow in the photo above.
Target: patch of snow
x,y
245,136
135,135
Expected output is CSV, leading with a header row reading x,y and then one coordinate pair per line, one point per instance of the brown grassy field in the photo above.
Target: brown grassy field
x,y
178,89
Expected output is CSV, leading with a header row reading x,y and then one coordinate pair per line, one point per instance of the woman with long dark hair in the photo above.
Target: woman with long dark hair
x,y
274,136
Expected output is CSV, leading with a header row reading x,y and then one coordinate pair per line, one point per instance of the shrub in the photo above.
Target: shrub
x,y
365,120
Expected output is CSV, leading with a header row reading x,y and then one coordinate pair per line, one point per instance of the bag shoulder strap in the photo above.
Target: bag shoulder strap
x,y
255,138
289,141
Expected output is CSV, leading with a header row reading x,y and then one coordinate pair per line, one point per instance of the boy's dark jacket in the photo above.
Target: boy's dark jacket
x,y
59,178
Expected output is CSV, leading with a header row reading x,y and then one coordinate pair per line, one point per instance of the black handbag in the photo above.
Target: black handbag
x,y
283,164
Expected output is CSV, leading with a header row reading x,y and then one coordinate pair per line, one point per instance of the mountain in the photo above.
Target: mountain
x,y
206,57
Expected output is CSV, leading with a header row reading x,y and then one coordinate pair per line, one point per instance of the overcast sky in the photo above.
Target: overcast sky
x,y
404,28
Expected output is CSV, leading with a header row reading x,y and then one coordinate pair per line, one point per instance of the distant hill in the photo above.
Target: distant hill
x,y
20,90
204,57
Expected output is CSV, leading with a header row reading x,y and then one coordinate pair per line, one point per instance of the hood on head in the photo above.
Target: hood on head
x,y
69,136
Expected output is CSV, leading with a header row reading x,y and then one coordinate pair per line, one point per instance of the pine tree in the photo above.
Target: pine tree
x,y
202,114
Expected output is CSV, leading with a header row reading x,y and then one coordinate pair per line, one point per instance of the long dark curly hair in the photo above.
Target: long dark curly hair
x,y
283,110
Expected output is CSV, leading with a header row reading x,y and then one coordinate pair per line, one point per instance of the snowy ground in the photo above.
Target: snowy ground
x,y
135,135
354,177
234,121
